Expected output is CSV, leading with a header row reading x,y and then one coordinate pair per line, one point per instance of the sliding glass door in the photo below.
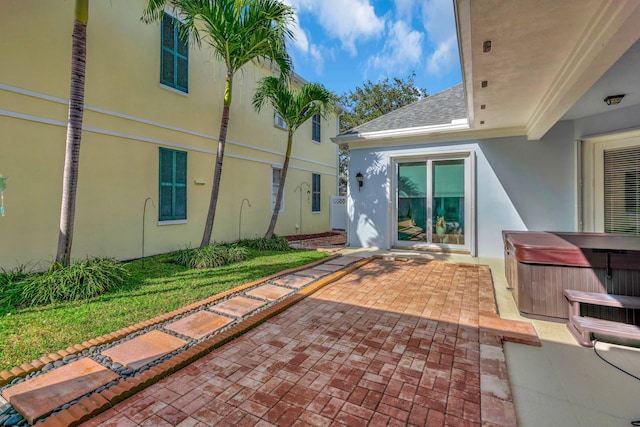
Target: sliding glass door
x,y
433,202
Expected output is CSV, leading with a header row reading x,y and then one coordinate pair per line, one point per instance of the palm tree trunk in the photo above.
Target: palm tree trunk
x,y
217,174
74,131
283,177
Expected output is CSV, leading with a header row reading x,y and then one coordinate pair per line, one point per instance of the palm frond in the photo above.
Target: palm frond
x,y
294,105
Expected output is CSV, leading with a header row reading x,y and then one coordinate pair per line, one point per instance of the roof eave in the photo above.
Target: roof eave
x,y
455,125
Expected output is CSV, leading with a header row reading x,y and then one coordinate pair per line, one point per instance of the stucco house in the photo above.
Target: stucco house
x,y
542,134
153,108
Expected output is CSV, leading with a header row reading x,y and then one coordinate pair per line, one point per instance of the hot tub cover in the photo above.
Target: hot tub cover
x,y
570,249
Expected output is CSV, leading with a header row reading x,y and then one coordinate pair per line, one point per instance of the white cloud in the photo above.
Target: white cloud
x,y
301,41
438,20
404,8
349,21
402,50
318,58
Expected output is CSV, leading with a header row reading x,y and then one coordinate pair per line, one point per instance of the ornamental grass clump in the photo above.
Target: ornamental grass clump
x,y
210,256
81,280
11,286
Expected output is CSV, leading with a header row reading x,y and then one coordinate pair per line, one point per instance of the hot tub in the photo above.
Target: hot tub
x,y
540,265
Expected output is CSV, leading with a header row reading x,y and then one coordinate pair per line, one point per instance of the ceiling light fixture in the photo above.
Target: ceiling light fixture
x,y
486,46
614,99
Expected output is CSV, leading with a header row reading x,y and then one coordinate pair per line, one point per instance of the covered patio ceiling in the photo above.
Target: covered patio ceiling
x,y
545,55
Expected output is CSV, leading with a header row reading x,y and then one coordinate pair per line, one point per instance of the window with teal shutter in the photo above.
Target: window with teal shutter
x,y
174,55
315,192
315,127
173,184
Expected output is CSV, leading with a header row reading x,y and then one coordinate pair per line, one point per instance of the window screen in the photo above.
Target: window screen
x,y
622,190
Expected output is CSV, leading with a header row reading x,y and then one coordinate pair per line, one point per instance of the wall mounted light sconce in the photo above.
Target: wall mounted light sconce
x,y
614,99
360,180
486,46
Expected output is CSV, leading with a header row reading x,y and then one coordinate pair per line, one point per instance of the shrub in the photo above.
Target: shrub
x,y
11,286
275,243
237,253
183,256
81,280
210,256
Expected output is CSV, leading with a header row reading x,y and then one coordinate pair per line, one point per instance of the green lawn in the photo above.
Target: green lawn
x,y
160,287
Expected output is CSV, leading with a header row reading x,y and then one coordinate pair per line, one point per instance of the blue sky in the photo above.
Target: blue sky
x,y
343,43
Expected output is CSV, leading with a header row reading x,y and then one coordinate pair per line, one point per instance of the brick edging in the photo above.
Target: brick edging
x,y
93,405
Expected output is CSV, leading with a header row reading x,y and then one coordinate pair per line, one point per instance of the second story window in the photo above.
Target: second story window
x,y
315,128
174,55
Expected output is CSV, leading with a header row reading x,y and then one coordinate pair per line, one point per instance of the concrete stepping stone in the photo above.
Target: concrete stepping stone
x,y
343,260
199,324
270,292
238,306
312,272
328,267
293,281
40,395
144,349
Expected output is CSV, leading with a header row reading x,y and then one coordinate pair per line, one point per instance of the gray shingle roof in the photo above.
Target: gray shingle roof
x,y
438,109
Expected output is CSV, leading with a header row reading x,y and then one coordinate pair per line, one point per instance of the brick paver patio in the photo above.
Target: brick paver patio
x,y
393,343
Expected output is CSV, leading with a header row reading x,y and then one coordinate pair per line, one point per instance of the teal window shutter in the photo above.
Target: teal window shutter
x,y
315,192
315,128
174,55
173,185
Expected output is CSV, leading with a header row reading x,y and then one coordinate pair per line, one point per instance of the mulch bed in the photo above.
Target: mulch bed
x,y
296,237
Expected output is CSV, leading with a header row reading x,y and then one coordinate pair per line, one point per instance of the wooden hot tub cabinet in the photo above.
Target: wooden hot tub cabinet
x,y
539,266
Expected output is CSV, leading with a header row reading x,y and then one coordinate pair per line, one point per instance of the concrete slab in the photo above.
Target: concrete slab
x,y
270,292
344,260
292,281
328,267
144,349
199,324
39,396
238,306
312,272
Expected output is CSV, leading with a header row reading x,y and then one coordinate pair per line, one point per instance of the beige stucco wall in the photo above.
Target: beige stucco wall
x,y
128,117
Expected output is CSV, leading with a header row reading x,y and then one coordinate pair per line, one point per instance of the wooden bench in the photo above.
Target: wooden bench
x,y
582,327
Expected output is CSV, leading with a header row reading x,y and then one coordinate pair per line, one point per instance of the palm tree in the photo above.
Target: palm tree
x,y
238,32
74,131
295,106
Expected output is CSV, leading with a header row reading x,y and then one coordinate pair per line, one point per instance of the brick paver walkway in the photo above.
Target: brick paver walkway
x,y
393,343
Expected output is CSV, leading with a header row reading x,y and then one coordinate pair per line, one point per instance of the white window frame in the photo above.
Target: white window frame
x,y
469,157
593,175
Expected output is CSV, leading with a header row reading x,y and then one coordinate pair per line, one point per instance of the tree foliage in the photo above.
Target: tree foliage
x,y
372,100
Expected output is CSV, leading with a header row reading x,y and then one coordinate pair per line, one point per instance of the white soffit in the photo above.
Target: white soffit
x,y
545,55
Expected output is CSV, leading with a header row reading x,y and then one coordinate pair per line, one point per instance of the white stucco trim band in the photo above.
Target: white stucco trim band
x,y
62,101
36,119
